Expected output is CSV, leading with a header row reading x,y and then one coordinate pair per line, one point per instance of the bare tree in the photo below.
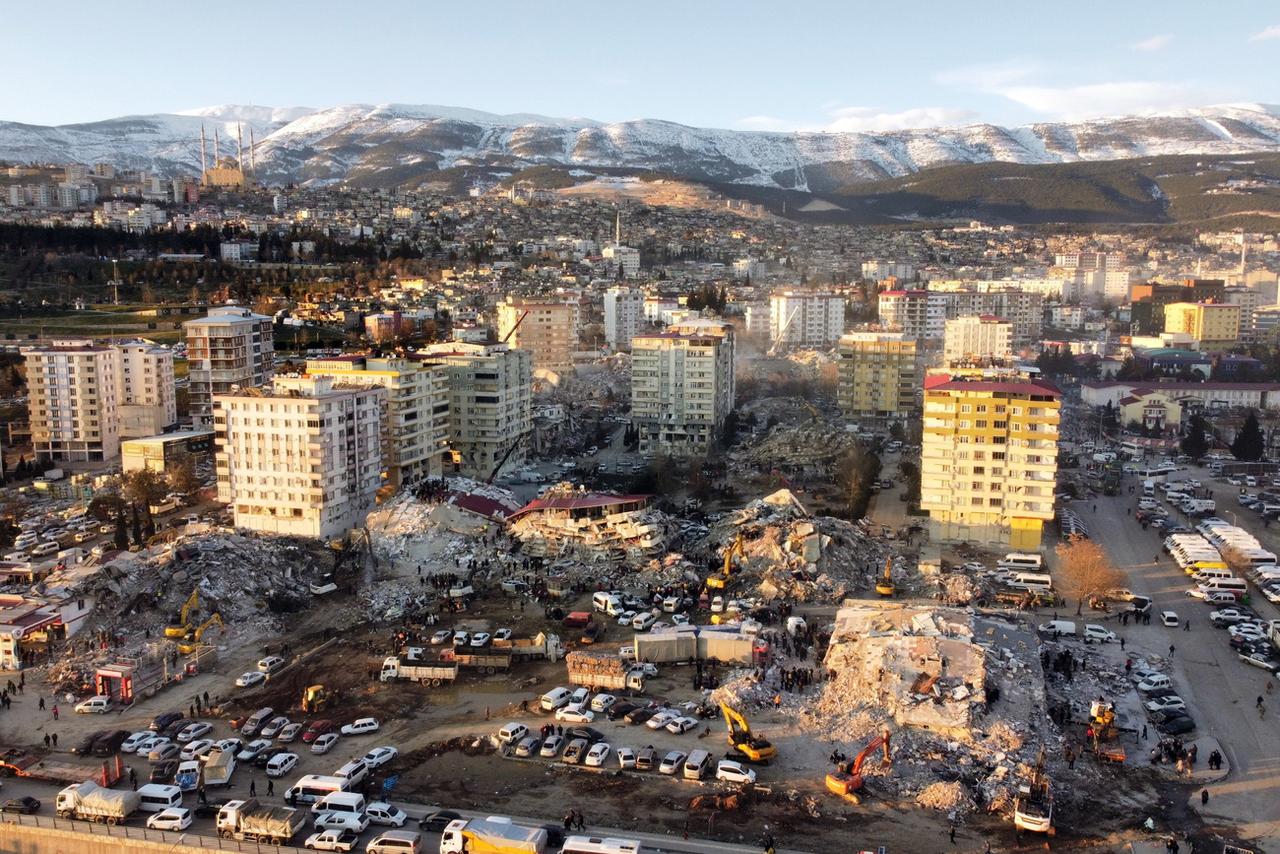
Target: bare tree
x,y
143,487
1085,568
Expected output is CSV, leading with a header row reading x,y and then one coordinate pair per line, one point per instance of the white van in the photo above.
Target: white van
x,y
555,699
697,765
1210,574
314,787
1238,586
1062,627
48,547
642,621
1036,581
154,797
1021,561
1148,488
349,803
607,603
353,772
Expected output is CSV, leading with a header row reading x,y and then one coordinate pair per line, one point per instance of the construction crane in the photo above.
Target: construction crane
x,y
780,338
885,585
1033,805
846,781
506,455
756,749
514,327
182,623
721,581
193,638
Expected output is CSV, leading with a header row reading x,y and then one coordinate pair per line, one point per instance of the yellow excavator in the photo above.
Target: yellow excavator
x,y
193,638
1102,732
885,585
721,581
846,781
756,749
314,698
182,623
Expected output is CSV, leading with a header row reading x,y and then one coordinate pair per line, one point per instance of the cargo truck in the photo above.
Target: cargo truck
x,y
485,662
36,766
434,675
696,643
219,765
492,836
600,671
250,821
526,649
90,802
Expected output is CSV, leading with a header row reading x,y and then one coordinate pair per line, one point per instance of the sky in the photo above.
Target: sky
x,y
745,65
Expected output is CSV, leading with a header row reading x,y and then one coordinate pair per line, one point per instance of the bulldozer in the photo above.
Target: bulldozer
x,y
181,624
756,749
885,585
721,581
314,698
1102,732
193,638
846,781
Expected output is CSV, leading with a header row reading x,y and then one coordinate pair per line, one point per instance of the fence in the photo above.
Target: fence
x,y
146,839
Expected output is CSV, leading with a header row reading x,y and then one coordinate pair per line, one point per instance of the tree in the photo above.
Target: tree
x,y
897,432
137,526
1085,568
1194,444
730,430
122,533
144,487
856,471
182,475
106,507
911,474
1249,444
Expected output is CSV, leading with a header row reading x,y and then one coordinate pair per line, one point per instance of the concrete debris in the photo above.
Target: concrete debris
x,y
947,797
591,527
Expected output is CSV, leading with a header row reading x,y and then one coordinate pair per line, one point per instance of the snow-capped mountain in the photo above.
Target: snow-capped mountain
x,y
390,144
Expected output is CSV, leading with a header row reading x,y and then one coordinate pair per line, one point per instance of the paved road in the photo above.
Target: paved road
x,y
1219,688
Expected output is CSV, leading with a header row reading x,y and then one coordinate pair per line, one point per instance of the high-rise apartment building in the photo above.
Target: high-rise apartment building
x,y
989,457
1212,325
877,377
623,316
302,457
922,314
682,386
800,319
490,404
416,441
73,401
976,337
546,328
147,394
1249,300
230,348
919,314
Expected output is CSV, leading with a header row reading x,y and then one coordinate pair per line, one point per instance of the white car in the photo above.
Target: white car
x,y
441,637
625,618
671,762
682,725
734,772
270,664
274,726
480,639
574,713
627,653
717,604
324,743
250,751
1159,704
233,744
341,821
502,635
461,639
281,764
335,839
133,742
661,719
602,702
360,726
173,818
385,814
597,755
194,730
253,677
626,757
551,747
380,756
1169,618
196,749
1098,633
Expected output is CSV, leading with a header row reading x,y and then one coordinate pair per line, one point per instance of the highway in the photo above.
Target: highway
x,y
1219,688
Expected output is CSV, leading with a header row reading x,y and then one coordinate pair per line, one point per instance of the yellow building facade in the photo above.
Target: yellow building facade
x,y
1209,323
876,376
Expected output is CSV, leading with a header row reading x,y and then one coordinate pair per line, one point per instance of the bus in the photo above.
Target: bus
x,y
600,845
1133,450
312,787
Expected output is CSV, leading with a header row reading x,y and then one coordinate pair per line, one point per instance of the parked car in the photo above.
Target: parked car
x,y
619,710
196,749
442,636
661,719
528,746
729,771
172,818
380,756
626,757
289,733
383,813
575,713
164,771
574,752
333,839
324,743
551,747
361,726
250,679
272,727
672,762
25,805
597,755
252,749
270,664
317,729
194,730
435,822
281,764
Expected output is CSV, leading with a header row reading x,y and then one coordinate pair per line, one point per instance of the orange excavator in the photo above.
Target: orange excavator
x,y
847,780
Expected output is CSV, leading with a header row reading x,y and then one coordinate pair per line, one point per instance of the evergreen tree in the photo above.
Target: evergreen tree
x,y
137,526
1249,444
122,534
1194,444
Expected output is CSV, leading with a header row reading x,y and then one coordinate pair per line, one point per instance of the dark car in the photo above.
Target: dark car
x,y
619,710
171,731
437,821
640,715
1161,692
317,729
164,720
85,746
26,805
555,835
1163,715
591,736
208,810
1178,725
164,771
110,743
261,760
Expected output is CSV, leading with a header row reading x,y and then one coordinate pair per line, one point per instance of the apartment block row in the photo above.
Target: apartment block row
x,y
922,314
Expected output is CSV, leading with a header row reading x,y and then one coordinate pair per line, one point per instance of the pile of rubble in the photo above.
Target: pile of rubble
x,y
592,527
812,447
788,554
813,363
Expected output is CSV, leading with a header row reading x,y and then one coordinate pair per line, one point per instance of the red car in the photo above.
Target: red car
x,y
317,729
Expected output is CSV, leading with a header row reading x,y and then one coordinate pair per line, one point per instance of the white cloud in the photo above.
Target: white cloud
x,y
765,123
987,75
860,119
1102,99
1159,42
1266,34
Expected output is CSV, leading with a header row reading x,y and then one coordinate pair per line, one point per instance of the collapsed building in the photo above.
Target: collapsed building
x,y
591,526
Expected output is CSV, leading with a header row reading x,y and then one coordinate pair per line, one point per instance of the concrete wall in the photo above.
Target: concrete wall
x,y
23,834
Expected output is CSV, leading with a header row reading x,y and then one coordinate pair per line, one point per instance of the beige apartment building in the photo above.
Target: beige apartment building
x,y
416,441
490,404
230,348
682,386
976,337
546,328
73,400
877,377
989,457
302,457
1211,324
148,397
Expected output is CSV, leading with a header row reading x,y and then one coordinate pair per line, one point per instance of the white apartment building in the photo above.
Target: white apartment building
x,y
416,441
546,328
755,317
622,257
490,404
623,316
230,348
73,402
146,392
799,319
923,314
682,386
878,271
975,337
919,314
1249,300
302,457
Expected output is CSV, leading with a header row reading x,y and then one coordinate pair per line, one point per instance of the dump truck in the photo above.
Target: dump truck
x,y
485,662
36,766
603,671
434,675
250,821
492,836
527,649
90,802
219,765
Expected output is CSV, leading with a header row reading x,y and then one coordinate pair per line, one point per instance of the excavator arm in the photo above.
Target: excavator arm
x,y
847,780
754,748
179,629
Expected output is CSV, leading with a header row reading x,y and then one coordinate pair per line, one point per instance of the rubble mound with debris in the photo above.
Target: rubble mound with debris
x,y
946,797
